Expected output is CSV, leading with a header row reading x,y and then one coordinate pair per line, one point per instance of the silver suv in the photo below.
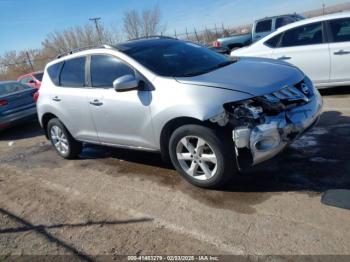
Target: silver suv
x,y
209,114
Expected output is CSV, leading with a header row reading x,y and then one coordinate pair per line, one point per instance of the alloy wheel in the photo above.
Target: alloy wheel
x,y
59,140
196,157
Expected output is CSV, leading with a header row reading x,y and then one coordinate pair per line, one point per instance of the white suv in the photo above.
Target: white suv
x,y
320,47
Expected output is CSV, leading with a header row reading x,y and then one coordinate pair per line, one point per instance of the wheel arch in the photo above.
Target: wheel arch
x,y
171,126
45,120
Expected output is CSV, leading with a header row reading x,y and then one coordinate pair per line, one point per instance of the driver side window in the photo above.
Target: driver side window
x,y
105,69
311,34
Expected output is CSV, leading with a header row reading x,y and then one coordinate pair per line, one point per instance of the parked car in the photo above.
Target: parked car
x,y
203,110
261,28
32,79
17,103
319,46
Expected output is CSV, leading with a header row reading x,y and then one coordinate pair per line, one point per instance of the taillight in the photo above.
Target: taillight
x,y
36,96
217,44
3,102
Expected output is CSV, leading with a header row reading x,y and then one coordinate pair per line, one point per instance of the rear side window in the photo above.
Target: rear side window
x,y
311,34
274,41
340,30
264,26
105,69
54,72
12,87
73,73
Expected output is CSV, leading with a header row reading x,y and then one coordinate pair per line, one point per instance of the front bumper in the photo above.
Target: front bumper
x,y
265,141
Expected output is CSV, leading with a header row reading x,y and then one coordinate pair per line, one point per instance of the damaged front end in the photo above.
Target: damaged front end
x,y
264,126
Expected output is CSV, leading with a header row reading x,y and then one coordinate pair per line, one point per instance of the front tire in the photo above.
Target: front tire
x,y
63,142
203,156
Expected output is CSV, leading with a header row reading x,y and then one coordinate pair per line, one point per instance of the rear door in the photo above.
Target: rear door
x,y
340,50
69,97
306,47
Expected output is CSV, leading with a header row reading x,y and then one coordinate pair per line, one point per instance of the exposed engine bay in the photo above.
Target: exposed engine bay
x,y
264,126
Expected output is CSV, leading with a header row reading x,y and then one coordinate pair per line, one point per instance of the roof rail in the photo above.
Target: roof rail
x,y
82,49
153,36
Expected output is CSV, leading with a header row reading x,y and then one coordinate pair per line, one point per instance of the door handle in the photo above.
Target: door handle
x,y
284,58
56,98
342,52
96,102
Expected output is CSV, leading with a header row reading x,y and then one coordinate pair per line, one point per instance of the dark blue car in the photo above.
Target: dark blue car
x,y
17,103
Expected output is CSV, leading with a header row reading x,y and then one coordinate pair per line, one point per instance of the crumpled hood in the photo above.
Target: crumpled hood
x,y
255,76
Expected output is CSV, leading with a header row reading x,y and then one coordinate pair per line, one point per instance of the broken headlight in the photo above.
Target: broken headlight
x,y
244,113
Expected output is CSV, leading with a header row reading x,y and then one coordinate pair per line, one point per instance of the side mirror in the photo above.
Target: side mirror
x,y
32,82
125,83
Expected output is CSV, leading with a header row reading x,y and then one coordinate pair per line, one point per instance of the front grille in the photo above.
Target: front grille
x,y
300,93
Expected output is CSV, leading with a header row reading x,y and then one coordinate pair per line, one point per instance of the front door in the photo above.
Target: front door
x,y
306,48
121,118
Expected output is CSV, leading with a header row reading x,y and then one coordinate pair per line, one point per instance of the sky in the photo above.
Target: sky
x,y
24,24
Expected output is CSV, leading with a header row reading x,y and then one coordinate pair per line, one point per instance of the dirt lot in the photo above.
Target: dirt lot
x,y
113,202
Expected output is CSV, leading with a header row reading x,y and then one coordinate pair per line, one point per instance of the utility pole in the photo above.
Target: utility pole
x,y
323,8
95,20
195,32
30,61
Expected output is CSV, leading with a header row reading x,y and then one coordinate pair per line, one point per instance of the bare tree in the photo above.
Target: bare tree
x,y
132,23
79,36
143,24
13,64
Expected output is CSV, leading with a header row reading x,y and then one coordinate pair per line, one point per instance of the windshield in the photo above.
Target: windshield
x,y
178,58
39,76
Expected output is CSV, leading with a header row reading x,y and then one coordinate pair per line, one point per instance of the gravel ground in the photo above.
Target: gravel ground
x,y
118,202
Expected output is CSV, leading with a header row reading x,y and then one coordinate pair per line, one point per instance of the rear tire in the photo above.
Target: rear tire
x,y
63,142
203,156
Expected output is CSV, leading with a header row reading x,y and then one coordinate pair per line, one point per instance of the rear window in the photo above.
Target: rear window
x,y
12,87
264,26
